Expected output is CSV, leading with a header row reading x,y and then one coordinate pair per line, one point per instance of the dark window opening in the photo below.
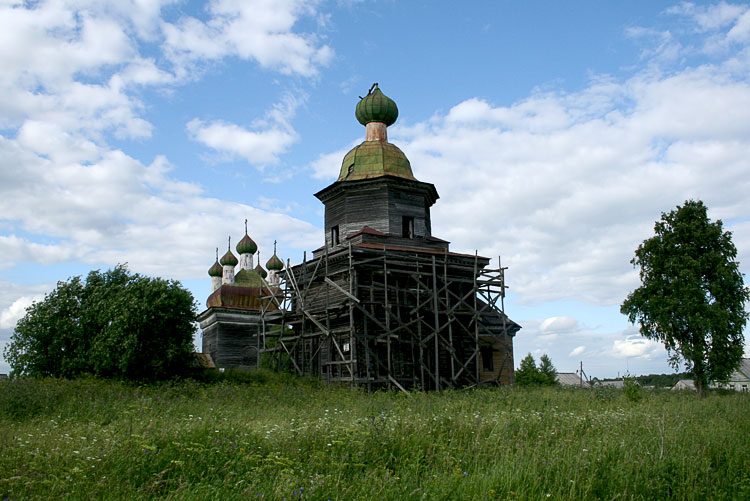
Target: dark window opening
x,y
335,235
407,227
488,364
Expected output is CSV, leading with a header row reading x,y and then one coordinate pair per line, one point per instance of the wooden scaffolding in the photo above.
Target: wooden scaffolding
x,y
385,316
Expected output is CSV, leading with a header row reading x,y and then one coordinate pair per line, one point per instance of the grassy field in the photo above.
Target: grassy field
x,y
277,437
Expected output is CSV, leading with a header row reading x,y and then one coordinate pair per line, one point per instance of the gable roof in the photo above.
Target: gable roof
x,y
570,379
684,384
743,372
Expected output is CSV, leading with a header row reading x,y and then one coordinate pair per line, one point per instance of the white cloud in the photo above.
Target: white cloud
x,y
115,209
578,350
259,30
576,180
261,147
636,346
559,324
722,25
272,137
13,313
71,80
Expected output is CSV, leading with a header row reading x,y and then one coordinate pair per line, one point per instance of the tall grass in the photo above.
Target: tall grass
x,y
277,437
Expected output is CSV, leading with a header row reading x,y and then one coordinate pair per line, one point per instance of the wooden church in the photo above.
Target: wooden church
x,y
383,303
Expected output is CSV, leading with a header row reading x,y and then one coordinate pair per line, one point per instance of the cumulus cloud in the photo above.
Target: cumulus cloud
x,y
71,77
578,350
13,313
636,346
257,147
272,135
566,185
115,209
259,30
559,324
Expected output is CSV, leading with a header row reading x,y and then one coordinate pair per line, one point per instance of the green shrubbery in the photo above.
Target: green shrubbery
x,y
270,436
113,324
528,374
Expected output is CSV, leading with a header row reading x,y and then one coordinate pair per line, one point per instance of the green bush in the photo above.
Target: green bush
x,y
528,374
631,388
113,324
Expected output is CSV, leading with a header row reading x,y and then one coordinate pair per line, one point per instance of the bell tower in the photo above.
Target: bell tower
x,y
376,196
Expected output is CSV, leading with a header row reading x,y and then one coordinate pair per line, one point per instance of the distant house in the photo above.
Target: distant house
x,y
614,383
571,379
684,384
739,380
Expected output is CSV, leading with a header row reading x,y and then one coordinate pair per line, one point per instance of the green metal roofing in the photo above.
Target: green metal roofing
x,y
275,263
246,245
376,107
375,159
229,259
248,278
215,270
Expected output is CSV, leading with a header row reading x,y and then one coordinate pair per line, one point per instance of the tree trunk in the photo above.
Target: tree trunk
x,y
699,378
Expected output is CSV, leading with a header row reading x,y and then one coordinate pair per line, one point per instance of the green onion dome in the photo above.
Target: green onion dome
x,y
246,245
229,259
247,278
376,107
375,159
260,271
275,263
216,270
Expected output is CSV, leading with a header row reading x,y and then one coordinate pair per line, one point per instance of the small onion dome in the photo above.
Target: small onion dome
x,y
376,107
215,270
260,271
246,245
229,259
275,263
247,278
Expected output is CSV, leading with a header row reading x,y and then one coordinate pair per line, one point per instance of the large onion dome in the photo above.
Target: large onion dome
x,y
246,245
375,157
215,270
376,107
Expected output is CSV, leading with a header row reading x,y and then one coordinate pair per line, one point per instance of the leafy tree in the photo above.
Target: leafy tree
x,y
692,294
115,324
529,374
547,371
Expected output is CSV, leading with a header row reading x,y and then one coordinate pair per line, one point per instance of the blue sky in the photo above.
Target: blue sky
x,y
555,132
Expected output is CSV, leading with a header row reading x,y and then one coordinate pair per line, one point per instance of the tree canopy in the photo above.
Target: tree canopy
x,y
113,324
529,374
692,293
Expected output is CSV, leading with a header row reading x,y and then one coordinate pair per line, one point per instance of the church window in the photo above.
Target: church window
x,y
335,235
407,227
488,364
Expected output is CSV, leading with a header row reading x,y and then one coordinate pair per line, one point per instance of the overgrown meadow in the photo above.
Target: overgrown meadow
x,y
278,437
